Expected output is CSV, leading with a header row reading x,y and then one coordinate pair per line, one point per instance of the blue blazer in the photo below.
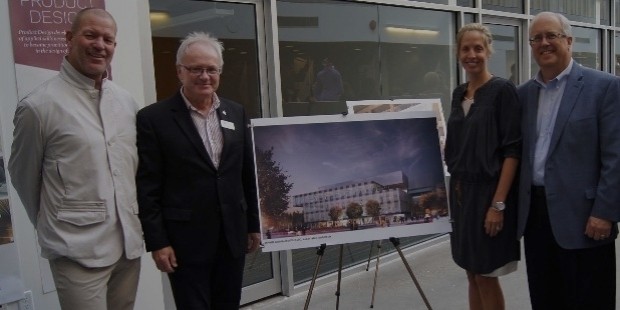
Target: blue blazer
x,y
582,172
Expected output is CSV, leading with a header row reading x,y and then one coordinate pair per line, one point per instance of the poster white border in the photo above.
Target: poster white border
x,y
297,240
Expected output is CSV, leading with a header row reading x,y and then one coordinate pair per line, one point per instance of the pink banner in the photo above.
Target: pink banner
x,y
38,29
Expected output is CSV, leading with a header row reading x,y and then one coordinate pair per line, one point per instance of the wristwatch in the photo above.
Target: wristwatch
x,y
499,206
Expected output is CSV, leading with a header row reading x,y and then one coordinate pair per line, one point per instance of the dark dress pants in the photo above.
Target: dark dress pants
x,y
566,279
213,285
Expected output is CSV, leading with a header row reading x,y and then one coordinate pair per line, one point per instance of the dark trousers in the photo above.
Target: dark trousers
x,y
558,278
213,285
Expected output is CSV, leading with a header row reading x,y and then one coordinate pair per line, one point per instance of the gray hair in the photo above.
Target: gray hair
x,y
564,23
486,33
202,38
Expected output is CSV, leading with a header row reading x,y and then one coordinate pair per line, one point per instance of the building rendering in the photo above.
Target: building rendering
x,y
390,190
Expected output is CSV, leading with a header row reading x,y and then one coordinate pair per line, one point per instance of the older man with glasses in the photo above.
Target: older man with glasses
x,y
196,184
569,198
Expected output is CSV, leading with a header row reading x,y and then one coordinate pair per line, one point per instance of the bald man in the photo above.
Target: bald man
x,y
73,164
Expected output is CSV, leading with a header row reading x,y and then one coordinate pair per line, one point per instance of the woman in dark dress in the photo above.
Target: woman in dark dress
x,y
482,154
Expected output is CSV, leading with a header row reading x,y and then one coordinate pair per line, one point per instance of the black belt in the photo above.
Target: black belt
x,y
538,191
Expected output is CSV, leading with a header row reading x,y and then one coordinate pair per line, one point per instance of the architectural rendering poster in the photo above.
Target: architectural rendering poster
x,y
341,179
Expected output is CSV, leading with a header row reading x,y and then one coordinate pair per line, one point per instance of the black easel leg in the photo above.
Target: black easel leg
x,y
396,243
374,285
319,252
369,254
339,276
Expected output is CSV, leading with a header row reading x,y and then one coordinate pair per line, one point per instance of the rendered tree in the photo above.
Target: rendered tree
x,y
422,200
334,214
354,211
433,200
373,208
272,184
418,209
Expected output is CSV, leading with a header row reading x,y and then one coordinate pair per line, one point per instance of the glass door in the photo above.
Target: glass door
x,y
506,60
239,26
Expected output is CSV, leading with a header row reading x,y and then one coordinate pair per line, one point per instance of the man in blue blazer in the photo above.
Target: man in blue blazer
x,y
196,184
570,174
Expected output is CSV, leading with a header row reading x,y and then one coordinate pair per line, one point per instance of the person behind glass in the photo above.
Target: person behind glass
x,y
482,154
196,183
434,88
569,197
73,164
328,85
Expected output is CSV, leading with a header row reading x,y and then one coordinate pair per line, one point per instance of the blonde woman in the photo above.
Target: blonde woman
x,y
482,153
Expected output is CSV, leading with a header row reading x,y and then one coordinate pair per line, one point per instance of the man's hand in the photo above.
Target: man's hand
x,y
165,259
253,242
598,229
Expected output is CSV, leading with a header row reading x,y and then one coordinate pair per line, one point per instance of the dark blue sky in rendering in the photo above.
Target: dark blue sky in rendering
x,y
321,154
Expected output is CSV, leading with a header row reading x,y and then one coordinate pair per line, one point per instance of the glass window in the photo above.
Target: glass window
x,y
514,6
587,47
258,268
505,61
577,10
617,54
617,12
469,18
469,3
234,25
416,53
378,52
231,23
309,44
605,12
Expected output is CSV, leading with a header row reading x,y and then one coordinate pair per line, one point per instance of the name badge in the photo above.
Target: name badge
x,y
227,125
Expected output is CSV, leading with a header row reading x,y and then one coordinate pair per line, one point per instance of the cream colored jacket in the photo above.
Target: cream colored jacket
x,y
73,164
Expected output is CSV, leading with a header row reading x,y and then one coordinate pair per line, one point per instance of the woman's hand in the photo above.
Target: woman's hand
x,y
494,222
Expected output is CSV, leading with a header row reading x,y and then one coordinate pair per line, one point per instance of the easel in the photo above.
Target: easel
x,y
395,241
319,252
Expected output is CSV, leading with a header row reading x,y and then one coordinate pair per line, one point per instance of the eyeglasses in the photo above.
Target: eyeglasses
x,y
198,71
549,36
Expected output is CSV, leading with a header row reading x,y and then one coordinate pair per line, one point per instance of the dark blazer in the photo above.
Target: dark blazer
x,y
582,172
185,202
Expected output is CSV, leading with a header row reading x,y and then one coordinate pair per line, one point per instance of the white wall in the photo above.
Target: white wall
x,y
133,70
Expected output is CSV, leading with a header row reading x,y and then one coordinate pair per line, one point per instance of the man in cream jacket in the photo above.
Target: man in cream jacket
x,y
73,164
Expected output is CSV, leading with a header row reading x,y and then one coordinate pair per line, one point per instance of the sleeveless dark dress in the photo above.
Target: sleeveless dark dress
x,y
476,146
